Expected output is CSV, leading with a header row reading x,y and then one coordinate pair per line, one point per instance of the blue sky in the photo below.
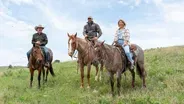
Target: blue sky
x,y
152,23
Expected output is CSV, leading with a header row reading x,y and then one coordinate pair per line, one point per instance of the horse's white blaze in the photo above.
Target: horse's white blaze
x,y
70,46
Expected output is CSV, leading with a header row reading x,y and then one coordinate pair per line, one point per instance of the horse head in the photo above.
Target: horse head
x,y
37,54
98,49
72,44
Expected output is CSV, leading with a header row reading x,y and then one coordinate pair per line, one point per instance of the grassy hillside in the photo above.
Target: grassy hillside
x,y
165,84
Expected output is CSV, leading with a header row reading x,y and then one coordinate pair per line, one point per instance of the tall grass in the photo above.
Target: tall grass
x,y
165,84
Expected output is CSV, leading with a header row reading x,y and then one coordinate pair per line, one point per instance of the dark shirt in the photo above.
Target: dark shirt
x,y
91,29
40,37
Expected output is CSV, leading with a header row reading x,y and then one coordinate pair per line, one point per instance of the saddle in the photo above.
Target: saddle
x,y
133,50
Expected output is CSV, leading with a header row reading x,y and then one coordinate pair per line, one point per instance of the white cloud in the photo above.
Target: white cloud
x,y
137,2
19,2
174,12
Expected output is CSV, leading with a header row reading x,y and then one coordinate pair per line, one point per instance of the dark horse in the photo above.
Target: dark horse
x,y
36,62
115,62
86,56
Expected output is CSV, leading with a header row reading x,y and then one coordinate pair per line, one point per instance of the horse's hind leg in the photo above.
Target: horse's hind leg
x,y
47,72
43,70
31,76
133,77
118,82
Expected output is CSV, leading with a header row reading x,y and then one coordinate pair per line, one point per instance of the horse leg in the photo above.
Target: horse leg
x,y
97,75
88,74
133,78
47,72
31,76
118,82
101,71
112,83
82,75
141,66
39,77
43,75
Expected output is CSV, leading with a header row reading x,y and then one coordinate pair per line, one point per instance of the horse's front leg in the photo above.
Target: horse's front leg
x,y
111,76
31,76
39,76
82,75
97,75
118,81
88,74
101,71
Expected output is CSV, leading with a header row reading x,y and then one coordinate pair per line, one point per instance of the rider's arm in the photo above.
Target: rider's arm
x,y
84,31
99,31
45,40
116,37
33,39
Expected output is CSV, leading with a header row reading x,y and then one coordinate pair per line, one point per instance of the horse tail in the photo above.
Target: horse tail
x,y
140,70
52,71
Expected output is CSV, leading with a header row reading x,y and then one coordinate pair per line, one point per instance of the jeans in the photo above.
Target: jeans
x,y
127,50
45,51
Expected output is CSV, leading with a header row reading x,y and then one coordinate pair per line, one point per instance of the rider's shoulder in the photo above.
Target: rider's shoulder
x,y
44,33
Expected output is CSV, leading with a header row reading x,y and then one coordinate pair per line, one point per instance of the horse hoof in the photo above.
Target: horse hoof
x,y
88,87
81,87
144,86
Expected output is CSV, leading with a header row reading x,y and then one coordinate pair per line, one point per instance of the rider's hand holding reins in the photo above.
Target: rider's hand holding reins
x,y
38,43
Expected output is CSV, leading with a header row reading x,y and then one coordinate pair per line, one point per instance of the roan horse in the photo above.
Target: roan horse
x,y
115,61
86,56
36,62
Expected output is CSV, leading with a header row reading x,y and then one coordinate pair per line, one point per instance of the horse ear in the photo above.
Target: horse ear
x,y
68,34
103,42
75,34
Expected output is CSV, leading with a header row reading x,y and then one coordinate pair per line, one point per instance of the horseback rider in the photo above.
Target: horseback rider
x,y
122,37
40,38
91,30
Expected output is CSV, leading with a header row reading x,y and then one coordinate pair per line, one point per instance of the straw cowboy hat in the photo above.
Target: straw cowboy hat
x,y
39,26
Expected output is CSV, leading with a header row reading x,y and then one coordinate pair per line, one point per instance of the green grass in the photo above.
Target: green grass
x,y
165,84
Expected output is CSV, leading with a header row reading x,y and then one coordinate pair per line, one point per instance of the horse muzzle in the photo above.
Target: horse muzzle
x,y
70,54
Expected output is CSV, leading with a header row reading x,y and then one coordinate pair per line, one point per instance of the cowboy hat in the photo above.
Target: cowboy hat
x,y
39,26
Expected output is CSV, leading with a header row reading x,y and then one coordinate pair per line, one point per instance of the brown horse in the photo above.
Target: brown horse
x,y
115,61
36,62
86,56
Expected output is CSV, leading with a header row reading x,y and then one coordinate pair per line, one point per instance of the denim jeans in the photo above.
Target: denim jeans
x,y
46,53
127,50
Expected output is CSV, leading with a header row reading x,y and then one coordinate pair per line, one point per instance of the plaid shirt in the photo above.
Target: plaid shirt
x,y
122,34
